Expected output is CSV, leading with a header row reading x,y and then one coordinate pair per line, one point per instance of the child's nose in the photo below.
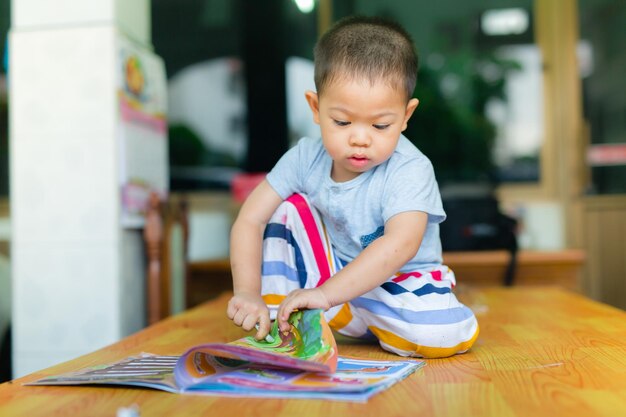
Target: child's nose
x,y
359,137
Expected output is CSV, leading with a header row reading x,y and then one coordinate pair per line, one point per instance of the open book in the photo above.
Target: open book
x,y
301,364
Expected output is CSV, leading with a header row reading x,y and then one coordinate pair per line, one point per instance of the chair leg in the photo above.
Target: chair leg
x,y
153,236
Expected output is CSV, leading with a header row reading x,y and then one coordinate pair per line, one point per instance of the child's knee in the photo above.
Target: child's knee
x,y
433,341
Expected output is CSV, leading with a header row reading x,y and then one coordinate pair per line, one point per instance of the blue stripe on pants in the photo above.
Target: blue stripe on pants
x,y
395,289
446,316
277,230
279,268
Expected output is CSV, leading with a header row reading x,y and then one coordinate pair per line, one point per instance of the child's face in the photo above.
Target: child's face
x,y
360,123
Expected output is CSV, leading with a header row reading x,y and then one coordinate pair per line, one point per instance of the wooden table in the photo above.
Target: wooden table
x,y
542,351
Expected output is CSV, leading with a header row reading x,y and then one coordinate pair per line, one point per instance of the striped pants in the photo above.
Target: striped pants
x,y
411,314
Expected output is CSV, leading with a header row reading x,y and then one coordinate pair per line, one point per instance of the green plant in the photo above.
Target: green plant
x,y
458,138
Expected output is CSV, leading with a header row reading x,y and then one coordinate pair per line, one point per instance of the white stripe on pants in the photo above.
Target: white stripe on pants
x,y
411,314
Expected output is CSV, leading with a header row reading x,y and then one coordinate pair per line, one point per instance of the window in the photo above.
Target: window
x,y
225,61
603,65
475,59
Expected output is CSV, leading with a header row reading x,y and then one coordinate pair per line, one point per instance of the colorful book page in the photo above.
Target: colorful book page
x,y
150,371
303,363
355,379
308,346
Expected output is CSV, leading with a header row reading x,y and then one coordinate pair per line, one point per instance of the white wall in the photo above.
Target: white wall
x,y
130,17
77,275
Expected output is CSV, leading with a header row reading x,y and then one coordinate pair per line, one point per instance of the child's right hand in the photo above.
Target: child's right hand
x,y
246,310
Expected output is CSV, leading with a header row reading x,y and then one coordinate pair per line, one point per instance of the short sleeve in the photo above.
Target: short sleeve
x,y
283,176
287,176
411,186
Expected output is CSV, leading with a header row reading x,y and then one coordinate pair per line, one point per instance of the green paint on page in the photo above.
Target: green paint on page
x,y
303,341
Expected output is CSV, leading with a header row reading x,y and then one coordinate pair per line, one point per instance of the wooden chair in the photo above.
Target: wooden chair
x,y
166,233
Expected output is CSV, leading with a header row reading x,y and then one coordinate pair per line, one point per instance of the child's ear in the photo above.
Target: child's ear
x,y
410,108
313,99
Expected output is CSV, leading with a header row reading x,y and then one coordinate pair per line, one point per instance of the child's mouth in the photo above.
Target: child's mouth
x,y
358,161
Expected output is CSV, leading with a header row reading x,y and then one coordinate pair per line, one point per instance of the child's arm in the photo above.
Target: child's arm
x,y
380,260
246,308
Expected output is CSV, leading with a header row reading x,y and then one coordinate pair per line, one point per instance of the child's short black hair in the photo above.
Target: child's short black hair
x,y
366,47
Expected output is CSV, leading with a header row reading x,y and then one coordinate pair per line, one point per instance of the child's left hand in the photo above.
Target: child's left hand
x,y
303,298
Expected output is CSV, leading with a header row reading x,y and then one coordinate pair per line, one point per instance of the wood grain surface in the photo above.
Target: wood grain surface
x,y
542,351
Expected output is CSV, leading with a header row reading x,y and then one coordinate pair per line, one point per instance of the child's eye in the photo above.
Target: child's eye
x,y
341,122
381,127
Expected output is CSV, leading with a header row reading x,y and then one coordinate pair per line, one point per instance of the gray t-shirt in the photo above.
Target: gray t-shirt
x,y
355,211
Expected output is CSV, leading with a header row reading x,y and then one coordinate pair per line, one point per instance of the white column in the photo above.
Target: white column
x,y
77,274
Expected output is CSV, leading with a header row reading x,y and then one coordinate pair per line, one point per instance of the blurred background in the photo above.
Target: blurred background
x,y
522,105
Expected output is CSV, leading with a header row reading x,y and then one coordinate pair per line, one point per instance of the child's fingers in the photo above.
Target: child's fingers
x,y
239,316
249,321
264,327
282,322
231,310
286,308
